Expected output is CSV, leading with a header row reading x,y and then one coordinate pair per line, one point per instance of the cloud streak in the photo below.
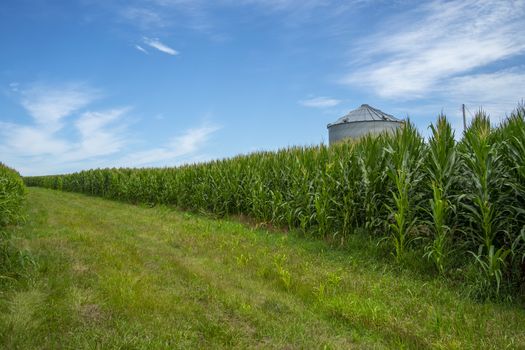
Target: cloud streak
x,y
143,17
141,49
157,44
320,102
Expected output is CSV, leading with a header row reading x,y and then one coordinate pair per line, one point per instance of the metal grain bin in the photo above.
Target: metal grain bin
x,y
362,121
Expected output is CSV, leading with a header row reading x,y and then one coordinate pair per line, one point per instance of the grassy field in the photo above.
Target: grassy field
x,y
113,275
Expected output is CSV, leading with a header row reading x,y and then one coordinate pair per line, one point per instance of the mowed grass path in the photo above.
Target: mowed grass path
x,y
117,276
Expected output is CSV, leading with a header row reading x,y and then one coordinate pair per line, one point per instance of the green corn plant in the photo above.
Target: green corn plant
x,y
401,213
485,207
371,161
480,157
406,155
439,248
512,136
323,200
346,197
442,170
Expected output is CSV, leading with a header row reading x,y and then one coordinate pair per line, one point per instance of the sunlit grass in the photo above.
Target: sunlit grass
x,y
113,275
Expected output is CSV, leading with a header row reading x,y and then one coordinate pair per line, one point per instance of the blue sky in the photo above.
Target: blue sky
x,y
93,83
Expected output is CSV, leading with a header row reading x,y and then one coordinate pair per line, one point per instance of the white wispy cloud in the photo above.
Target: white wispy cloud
x,y
320,102
157,44
284,5
187,144
160,14
199,15
83,137
495,93
506,85
140,48
47,144
100,134
145,18
49,104
14,86
30,140
411,58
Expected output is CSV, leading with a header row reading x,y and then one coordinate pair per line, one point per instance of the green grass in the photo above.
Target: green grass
x,y
113,275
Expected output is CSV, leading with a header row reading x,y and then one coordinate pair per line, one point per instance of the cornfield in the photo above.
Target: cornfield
x,y
12,195
459,204
12,191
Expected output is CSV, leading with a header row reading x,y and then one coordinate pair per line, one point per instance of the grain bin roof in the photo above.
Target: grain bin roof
x,y
365,113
